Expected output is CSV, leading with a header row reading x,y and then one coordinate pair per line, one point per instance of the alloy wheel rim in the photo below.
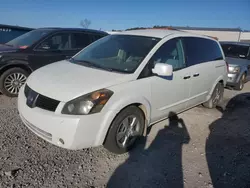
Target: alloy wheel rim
x,y
242,81
217,96
127,131
14,82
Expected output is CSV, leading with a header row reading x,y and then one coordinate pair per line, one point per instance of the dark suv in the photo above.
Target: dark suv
x,y
37,48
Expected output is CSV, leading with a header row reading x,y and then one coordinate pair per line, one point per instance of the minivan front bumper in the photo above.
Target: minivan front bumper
x,y
67,131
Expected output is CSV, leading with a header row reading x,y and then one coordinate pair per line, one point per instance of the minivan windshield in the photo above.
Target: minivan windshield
x,y
121,53
29,38
235,50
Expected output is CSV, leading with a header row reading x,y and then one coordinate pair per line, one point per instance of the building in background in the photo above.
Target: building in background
x,y
112,32
221,34
9,32
245,36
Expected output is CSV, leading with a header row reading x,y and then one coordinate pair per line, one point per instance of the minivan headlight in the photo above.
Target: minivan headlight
x,y
233,69
88,104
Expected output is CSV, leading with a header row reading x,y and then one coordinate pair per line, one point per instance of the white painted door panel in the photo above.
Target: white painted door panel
x,y
169,94
202,76
203,83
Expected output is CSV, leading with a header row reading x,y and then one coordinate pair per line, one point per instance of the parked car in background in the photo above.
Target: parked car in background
x,y
9,32
238,57
28,52
112,90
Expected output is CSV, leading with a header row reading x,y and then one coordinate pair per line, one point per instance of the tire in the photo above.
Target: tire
x,y
216,97
117,133
12,78
240,84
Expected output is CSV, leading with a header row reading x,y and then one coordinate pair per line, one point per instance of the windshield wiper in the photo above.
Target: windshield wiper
x,y
104,68
91,64
84,63
94,65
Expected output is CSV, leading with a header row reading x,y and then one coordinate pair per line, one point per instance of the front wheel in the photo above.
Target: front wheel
x,y
216,97
12,80
126,128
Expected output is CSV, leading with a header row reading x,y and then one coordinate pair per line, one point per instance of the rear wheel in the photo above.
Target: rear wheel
x,y
126,128
12,80
216,97
241,83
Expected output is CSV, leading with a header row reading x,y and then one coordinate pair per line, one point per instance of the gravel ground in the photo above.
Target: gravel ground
x,y
199,148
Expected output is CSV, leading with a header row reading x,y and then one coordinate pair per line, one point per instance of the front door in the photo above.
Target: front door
x,y
170,94
55,48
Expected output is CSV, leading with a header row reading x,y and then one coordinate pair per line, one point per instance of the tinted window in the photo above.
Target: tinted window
x,y
7,35
233,50
80,40
29,38
200,50
58,41
96,36
170,53
122,53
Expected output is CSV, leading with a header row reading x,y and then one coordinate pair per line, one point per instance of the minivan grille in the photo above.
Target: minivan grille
x,y
42,101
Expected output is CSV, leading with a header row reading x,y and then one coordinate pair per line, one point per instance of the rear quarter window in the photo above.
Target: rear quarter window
x,y
201,50
97,36
80,40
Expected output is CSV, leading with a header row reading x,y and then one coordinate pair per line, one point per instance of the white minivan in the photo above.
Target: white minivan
x,y
112,90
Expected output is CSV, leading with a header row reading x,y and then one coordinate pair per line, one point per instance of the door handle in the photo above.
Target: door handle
x,y
186,77
196,74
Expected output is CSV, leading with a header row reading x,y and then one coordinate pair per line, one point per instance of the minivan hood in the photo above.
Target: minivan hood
x,y
237,61
65,81
6,48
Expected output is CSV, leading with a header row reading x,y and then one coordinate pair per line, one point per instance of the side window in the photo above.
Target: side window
x,y
200,50
96,37
216,53
80,40
58,41
248,57
170,53
234,50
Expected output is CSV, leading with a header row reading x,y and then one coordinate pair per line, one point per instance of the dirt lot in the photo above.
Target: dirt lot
x,y
202,148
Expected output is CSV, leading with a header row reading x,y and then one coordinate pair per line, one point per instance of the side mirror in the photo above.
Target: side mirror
x,y
45,46
163,69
